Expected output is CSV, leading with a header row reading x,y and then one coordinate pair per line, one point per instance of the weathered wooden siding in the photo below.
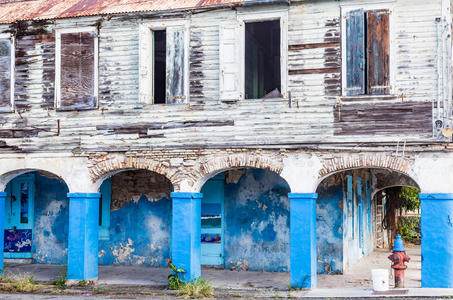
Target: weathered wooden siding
x,y
317,114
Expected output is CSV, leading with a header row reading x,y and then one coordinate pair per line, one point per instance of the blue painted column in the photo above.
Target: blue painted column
x,y
83,236
186,233
437,240
303,240
2,227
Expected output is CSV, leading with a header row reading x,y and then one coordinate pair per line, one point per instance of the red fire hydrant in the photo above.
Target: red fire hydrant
x,y
399,257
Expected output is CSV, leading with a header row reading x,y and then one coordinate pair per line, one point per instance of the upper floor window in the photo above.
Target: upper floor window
x,y
164,62
6,72
76,75
253,56
366,52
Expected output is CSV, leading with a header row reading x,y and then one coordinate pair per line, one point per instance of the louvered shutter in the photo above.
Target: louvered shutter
x,y
378,52
175,82
355,53
229,56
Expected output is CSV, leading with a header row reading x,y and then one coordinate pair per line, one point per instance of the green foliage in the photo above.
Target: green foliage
x,y
199,288
409,198
61,280
407,229
175,279
23,283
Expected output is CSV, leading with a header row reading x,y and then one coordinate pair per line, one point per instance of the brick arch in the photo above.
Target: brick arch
x,y
103,169
340,163
214,166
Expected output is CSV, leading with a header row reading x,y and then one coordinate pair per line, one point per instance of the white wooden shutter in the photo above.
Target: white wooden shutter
x,y
146,64
175,65
229,56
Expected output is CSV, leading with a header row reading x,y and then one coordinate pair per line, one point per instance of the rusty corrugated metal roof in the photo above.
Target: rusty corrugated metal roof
x,y
17,10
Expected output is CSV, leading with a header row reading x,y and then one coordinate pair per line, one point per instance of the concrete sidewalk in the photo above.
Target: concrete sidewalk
x,y
356,283
358,277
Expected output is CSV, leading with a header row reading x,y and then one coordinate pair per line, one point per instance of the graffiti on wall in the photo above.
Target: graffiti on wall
x,y
17,240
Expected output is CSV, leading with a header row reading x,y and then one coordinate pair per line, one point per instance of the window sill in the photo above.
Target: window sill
x,y
6,110
58,109
368,98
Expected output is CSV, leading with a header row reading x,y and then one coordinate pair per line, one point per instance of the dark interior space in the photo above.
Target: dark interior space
x,y
160,41
262,60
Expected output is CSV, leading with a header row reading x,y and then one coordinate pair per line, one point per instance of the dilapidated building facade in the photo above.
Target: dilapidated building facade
x,y
249,135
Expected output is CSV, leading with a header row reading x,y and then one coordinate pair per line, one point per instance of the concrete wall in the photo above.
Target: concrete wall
x,y
140,221
329,228
139,234
257,222
50,232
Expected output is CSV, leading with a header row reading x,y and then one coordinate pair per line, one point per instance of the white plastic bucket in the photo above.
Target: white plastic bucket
x,y
380,279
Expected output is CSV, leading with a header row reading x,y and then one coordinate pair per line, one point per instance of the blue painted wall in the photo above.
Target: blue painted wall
x,y
257,222
139,234
329,229
50,232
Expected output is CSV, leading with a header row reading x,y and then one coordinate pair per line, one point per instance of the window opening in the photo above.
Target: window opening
x,y
24,203
262,60
160,65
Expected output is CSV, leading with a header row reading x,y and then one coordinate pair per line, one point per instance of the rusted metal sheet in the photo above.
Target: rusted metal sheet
x,y
77,70
54,9
378,69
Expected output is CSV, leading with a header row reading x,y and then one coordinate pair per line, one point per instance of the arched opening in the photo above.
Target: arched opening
x,y
352,207
36,221
134,222
245,222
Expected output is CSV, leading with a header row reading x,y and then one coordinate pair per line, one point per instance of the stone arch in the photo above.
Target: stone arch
x,y
341,163
109,167
212,167
5,178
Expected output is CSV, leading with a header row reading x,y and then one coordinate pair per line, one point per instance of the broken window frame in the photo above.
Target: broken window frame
x,y
58,33
262,16
345,10
12,41
146,59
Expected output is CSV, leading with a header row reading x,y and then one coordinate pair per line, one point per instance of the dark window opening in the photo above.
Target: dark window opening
x,y
159,57
262,60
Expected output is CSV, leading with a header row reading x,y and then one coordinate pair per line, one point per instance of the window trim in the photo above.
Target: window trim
x,y
345,9
12,40
260,16
146,79
58,33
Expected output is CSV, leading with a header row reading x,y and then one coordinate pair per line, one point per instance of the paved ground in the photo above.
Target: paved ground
x,y
358,276
125,282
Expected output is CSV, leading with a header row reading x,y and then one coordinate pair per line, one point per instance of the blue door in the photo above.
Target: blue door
x,y
19,215
212,222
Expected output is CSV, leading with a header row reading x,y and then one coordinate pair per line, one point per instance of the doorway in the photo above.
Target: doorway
x,y
212,222
19,217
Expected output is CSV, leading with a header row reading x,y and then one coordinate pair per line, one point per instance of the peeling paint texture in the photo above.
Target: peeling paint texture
x,y
50,232
257,222
139,234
